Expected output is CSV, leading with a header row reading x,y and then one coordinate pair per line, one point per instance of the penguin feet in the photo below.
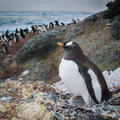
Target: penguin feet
x,y
76,101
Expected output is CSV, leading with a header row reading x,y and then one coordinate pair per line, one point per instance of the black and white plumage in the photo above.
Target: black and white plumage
x,y
22,34
56,23
62,24
5,48
82,76
51,25
73,21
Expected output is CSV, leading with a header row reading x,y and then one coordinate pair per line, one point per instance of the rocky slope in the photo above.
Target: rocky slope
x,y
93,35
35,100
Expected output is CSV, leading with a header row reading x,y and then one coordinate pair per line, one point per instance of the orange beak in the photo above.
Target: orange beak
x,y
60,44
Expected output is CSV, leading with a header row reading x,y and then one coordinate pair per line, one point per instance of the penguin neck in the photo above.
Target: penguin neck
x,y
72,54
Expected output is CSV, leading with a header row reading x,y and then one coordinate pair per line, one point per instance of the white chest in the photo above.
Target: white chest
x,y
69,73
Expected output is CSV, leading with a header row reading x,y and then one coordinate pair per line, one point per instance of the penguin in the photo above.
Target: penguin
x,y
81,76
73,21
40,29
5,48
56,23
78,20
26,30
5,40
51,25
22,34
16,31
10,38
62,24
44,28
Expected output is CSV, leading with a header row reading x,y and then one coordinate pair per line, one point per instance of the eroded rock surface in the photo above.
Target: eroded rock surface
x,y
35,100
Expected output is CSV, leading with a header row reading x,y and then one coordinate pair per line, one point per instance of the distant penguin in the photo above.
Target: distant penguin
x,y
26,30
10,38
62,24
44,28
78,20
22,34
82,76
5,40
7,32
5,48
51,25
17,37
16,31
73,21
40,29
56,23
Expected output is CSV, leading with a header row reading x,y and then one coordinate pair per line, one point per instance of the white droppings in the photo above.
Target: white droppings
x,y
24,73
112,78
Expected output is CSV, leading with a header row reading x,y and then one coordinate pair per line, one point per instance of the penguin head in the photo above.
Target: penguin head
x,y
68,45
71,47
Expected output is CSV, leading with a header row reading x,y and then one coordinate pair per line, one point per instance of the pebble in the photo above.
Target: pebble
x,y
1,114
32,98
6,99
58,116
14,90
21,101
56,103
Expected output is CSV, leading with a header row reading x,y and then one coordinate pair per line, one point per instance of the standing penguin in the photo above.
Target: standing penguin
x,y
82,76
5,48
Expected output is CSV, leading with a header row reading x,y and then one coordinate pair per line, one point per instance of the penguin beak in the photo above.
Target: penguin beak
x,y
60,44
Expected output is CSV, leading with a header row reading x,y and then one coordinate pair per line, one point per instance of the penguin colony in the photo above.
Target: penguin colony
x,y
81,76
7,38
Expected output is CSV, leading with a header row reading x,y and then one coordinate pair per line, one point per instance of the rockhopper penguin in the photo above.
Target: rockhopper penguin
x,y
81,76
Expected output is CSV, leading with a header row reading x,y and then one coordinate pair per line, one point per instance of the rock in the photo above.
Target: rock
x,y
1,66
6,99
47,103
91,18
39,45
113,9
13,90
116,30
107,57
33,111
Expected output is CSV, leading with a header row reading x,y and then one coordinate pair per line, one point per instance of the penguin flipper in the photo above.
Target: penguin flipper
x,y
88,81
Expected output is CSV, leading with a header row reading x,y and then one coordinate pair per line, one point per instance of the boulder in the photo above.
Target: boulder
x,y
39,45
116,30
113,9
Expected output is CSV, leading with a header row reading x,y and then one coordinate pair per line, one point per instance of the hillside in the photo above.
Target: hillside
x,y
94,35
